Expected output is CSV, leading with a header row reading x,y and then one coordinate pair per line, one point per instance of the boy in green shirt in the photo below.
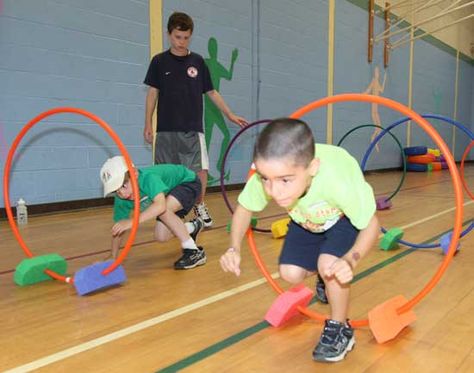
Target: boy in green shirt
x,y
333,222
167,193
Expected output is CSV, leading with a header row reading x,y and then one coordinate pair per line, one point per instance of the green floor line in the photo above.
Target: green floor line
x,y
219,346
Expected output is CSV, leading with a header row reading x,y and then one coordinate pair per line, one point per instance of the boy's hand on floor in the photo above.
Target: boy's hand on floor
x,y
230,261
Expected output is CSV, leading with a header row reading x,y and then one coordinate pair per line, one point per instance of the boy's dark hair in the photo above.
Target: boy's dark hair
x,y
283,138
180,21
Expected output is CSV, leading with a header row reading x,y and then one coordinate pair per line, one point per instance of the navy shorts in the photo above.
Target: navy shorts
x,y
302,247
187,194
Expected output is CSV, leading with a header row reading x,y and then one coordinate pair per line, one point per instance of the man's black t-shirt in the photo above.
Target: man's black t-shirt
x,y
181,82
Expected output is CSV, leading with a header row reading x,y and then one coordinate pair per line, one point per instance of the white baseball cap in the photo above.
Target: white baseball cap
x,y
112,174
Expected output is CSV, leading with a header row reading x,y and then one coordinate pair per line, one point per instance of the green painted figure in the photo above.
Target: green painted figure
x,y
212,114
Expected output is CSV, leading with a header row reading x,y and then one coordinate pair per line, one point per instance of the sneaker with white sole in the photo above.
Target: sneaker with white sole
x,y
201,211
191,258
336,341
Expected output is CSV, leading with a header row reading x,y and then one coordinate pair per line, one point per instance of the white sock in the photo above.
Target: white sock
x,y
189,244
189,226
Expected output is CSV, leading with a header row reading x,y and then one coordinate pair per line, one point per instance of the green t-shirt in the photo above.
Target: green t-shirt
x,y
337,189
161,178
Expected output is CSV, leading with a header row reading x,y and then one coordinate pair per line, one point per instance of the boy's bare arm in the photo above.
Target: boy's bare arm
x,y
114,249
343,268
240,223
364,242
157,208
116,241
221,104
150,104
230,261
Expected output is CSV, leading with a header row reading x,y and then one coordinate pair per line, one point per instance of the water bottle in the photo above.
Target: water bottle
x,y
21,212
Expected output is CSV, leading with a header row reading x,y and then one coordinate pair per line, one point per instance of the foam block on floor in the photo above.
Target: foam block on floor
x,y
31,270
287,303
280,228
438,166
90,278
386,323
415,150
418,167
383,203
435,152
445,241
422,159
390,239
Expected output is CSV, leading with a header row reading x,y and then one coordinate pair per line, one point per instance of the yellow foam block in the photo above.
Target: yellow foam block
x,y
435,152
280,228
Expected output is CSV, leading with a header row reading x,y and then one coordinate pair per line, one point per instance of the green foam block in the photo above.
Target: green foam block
x,y
390,238
31,270
253,223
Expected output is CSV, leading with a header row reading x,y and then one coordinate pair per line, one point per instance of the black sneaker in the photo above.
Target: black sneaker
x,y
198,225
336,341
321,291
201,211
191,258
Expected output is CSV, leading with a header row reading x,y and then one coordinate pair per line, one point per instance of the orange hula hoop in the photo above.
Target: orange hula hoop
x,y
123,150
456,185
464,156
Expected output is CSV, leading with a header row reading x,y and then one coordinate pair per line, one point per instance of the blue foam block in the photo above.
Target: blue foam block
x,y
90,278
417,167
445,241
415,150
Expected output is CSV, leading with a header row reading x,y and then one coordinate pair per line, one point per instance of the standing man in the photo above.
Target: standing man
x,y
177,79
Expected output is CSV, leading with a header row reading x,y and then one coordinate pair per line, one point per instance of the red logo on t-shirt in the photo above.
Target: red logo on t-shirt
x,y
192,72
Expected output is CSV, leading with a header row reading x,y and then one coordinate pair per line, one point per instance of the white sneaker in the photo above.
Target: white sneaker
x,y
201,211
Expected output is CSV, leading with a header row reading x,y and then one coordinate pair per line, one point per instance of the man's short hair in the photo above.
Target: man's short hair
x,y
286,138
180,21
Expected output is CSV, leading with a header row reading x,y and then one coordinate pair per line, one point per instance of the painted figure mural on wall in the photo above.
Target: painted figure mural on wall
x,y
374,88
212,115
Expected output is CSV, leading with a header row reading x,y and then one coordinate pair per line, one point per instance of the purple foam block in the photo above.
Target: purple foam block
x,y
445,241
383,203
90,278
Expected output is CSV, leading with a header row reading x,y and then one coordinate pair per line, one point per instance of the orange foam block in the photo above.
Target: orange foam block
x,y
287,303
385,322
423,159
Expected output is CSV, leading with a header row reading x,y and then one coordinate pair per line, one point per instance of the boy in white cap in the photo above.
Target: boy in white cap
x,y
167,193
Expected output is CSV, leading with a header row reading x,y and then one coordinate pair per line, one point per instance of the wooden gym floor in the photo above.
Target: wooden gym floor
x,y
204,320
